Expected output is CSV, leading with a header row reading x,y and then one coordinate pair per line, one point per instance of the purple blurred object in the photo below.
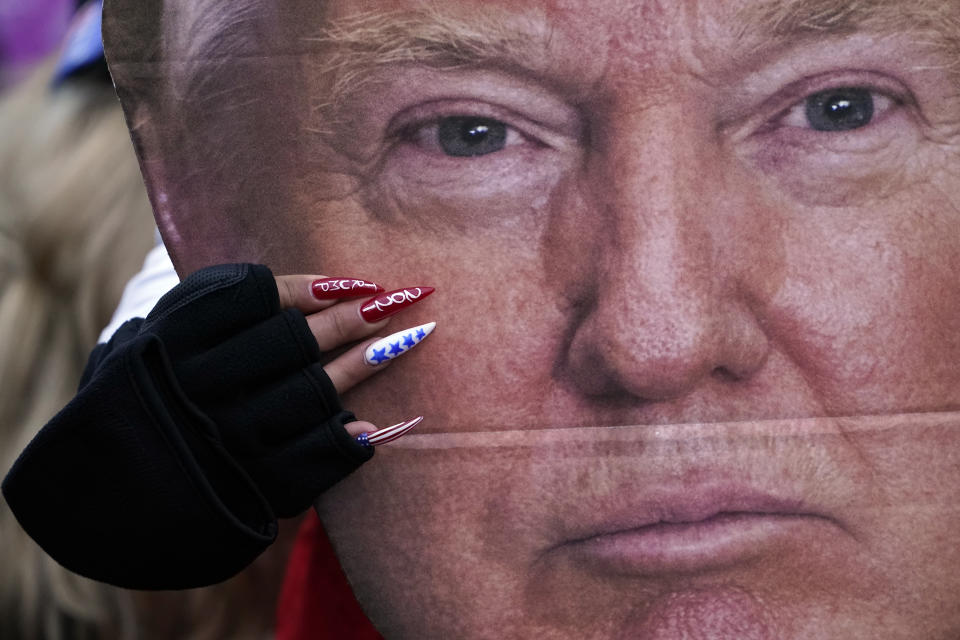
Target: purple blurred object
x,y
29,30
83,45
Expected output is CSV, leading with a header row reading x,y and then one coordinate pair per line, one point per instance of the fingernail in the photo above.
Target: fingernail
x,y
397,344
337,288
388,434
389,303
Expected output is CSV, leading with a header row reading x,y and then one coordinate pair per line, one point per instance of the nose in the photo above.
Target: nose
x,y
669,303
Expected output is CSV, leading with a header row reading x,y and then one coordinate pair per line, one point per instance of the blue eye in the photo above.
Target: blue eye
x,y
842,109
465,136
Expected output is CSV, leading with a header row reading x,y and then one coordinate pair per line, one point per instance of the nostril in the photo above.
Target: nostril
x,y
724,375
658,357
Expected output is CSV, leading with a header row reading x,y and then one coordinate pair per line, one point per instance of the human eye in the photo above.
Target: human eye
x,y
839,109
442,150
822,137
462,136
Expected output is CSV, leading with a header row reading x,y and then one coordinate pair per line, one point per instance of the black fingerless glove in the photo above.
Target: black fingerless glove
x,y
192,431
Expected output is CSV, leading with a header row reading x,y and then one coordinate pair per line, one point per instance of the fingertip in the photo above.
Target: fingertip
x,y
296,292
351,368
389,434
359,426
324,288
381,350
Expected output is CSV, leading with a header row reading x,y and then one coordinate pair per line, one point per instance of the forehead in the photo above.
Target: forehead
x,y
578,42
632,19
585,31
650,22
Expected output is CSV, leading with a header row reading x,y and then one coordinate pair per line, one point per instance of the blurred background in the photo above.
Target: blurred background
x,y
29,31
75,225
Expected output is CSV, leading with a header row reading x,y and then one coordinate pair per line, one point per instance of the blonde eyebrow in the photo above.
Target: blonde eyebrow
x,y
934,24
354,47
426,36
351,50
433,38
788,17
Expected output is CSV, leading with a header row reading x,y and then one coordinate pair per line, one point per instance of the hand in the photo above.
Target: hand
x,y
196,427
340,311
241,365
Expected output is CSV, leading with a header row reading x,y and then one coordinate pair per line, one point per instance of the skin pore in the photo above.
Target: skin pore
x,y
694,374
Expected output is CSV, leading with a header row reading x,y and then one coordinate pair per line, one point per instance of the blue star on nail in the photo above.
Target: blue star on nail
x,y
379,355
395,348
408,340
421,334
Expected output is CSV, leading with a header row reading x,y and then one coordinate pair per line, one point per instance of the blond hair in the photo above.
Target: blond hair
x,y
75,224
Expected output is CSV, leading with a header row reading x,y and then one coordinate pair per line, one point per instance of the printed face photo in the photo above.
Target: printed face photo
x,y
695,371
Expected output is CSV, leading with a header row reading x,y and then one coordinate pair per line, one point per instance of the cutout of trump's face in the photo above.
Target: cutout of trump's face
x,y
697,298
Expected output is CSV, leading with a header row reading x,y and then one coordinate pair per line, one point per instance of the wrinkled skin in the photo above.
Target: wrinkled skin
x,y
663,240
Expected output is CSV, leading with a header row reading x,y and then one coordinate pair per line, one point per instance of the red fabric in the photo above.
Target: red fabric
x,y
316,601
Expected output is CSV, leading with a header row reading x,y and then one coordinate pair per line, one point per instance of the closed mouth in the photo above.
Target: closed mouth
x,y
693,530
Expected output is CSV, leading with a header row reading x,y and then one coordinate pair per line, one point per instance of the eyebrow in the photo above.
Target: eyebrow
x,y
354,48
932,26
780,18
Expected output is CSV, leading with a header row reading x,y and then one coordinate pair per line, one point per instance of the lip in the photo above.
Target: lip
x,y
693,529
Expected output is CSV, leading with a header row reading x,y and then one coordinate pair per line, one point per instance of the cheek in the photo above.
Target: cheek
x,y
913,518
487,365
499,329
872,304
839,170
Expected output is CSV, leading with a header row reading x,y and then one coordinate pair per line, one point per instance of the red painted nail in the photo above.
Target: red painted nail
x,y
388,434
337,288
391,302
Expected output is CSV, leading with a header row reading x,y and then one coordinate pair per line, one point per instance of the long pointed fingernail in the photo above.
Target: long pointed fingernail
x,y
337,288
388,434
397,344
382,306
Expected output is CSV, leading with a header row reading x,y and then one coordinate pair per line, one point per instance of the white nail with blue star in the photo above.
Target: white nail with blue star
x,y
397,344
